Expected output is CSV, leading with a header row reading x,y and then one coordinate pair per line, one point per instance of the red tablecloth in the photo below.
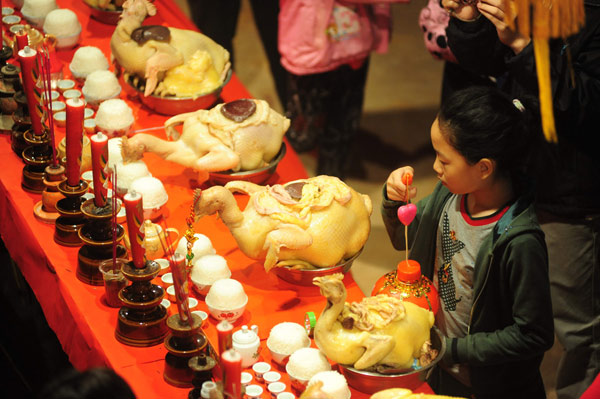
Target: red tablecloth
x,y
76,312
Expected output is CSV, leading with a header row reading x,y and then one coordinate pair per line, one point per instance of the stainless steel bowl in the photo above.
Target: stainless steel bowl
x,y
257,176
370,382
171,105
305,277
105,16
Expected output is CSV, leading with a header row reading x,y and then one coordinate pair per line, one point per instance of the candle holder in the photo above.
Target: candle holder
x,y
37,155
5,54
9,85
22,123
96,235
183,342
45,210
142,320
202,366
67,225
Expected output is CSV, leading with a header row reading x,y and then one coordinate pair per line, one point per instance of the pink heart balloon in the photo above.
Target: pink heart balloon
x,y
407,213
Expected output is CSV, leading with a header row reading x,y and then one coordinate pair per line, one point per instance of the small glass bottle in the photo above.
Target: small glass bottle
x,y
408,283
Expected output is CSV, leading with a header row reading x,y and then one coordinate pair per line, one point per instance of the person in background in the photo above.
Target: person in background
x,y
477,238
218,20
325,47
94,383
567,173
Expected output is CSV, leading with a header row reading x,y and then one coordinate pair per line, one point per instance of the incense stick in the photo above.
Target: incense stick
x,y
44,62
115,226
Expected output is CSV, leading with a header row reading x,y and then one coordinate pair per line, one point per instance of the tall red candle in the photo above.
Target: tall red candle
x,y
99,144
135,217
22,39
231,363
224,334
29,75
74,140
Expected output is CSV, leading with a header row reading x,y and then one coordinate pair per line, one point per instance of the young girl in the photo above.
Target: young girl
x,y
477,237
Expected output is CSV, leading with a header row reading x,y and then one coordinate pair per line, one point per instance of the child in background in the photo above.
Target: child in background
x,y
477,237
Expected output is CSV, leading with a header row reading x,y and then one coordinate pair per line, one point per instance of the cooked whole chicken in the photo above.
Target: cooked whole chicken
x,y
239,135
309,223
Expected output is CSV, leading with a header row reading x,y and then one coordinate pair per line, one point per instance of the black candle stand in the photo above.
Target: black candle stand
x,y
22,123
202,366
36,156
67,225
142,320
182,343
97,237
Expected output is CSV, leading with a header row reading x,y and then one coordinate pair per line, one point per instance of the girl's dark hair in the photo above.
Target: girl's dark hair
x,y
483,122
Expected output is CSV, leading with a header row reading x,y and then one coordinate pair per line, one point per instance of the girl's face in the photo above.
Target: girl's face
x,y
451,167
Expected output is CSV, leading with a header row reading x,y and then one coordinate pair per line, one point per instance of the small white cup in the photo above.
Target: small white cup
x,y
171,293
260,369
276,388
246,378
271,376
164,266
167,279
286,395
253,391
192,303
203,315
166,303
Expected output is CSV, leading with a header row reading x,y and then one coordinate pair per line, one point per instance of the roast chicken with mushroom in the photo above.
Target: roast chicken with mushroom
x,y
240,135
309,223
164,60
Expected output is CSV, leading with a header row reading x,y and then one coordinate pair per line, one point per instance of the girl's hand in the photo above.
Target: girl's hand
x,y
494,11
396,187
461,10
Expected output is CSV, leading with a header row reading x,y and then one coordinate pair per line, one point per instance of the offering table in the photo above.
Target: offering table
x,y
76,312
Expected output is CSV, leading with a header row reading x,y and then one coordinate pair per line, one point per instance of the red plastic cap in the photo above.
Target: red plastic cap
x,y
408,270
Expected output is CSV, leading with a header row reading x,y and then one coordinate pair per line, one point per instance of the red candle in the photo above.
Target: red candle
x,y
29,75
231,363
22,39
180,281
135,217
99,143
74,139
224,331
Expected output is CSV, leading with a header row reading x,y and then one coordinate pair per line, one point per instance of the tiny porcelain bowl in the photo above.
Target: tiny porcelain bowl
x,y
202,314
271,376
166,303
72,93
260,369
10,20
7,11
171,293
16,28
53,95
164,264
88,113
246,378
167,279
276,388
89,125
65,84
286,395
254,391
88,176
60,118
192,303
58,106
